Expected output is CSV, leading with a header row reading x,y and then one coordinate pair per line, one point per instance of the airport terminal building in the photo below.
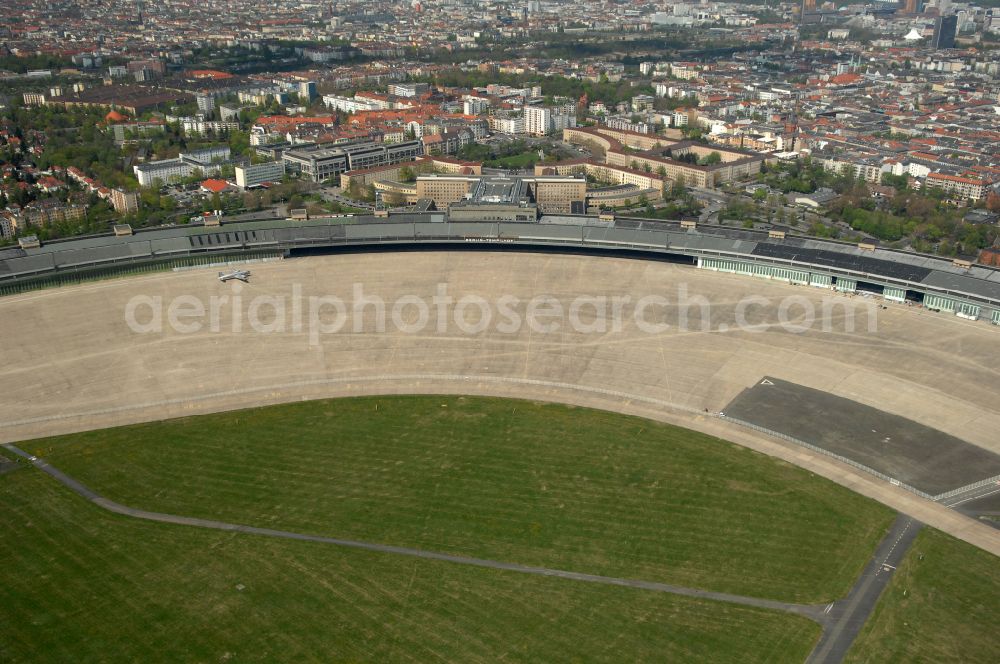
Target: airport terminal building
x,y
504,218
503,198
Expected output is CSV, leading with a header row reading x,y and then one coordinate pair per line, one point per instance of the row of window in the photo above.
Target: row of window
x,y
756,270
931,300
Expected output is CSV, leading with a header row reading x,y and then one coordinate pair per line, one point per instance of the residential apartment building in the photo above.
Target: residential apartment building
x,y
624,124
475,106
958,186
40,213
642,103
684,117
349,104
34,99
507,125
201,127
206,103
537,120
124,202
8,224
544,120
130,131
684,70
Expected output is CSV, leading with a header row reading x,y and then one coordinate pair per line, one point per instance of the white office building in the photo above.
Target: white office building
x,y
163,171
254,175
206,161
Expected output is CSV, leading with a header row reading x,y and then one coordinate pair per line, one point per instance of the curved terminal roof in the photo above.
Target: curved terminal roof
x,y
886,266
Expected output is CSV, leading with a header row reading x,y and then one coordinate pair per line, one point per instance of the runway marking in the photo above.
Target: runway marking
x,y
885,564
977,497
857,607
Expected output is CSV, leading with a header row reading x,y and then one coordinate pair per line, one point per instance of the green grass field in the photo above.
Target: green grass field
x,y
942,605
79,584
547,485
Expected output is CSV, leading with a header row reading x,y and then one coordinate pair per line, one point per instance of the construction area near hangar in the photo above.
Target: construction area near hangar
x,y
930,461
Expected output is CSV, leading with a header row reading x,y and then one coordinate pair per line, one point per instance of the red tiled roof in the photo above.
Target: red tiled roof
x,y
215,186
954,178
210,73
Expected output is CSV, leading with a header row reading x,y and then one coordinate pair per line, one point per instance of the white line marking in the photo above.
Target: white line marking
x,y
976,497
893,547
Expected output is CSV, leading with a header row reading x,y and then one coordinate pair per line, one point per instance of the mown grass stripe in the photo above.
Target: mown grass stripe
x,y
542,485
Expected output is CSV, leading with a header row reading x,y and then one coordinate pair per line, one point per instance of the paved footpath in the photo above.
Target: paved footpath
x,y
841,620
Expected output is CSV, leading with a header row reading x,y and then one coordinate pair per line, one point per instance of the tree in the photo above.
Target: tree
x,y
993,202
393,199
239,142
679,188
252,201
355,191
899,182
711,158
